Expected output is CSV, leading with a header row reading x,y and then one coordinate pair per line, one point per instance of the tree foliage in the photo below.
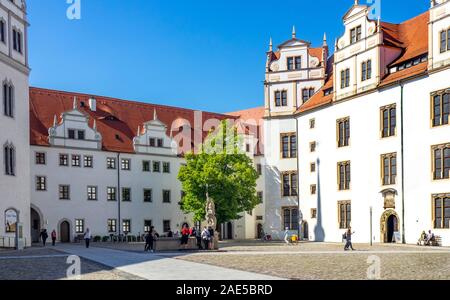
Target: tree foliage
x,y
222,170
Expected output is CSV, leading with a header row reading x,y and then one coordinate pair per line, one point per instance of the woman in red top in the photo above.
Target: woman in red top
x,y
185,236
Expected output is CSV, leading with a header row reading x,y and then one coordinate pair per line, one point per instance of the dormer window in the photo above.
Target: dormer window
x,y
75,134
280,98
355,35
152,142
445,40
366,70
294,63
160,143
345,78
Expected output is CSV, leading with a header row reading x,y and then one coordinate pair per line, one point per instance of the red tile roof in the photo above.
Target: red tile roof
x,y
117,120
316,52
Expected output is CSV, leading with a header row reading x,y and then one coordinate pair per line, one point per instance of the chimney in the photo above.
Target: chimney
x,y
93,104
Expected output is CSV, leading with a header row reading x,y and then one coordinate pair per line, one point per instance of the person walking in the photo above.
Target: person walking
x,y
184,236
348,238
150,239
205,238
286,236
44,236
198,236
87,237
53,237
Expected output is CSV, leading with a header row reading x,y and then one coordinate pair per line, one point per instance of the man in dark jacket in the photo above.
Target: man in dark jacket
x,y
348,238
44,236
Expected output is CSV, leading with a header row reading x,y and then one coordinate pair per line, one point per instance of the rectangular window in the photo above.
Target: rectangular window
x,y
126,164
64,192
17,40
312,147
344,214
126,194
71,134
298,62
312,123
88,161
388,120
126,226
441,108
147,195
345,78
112,225
366,70
307,94
289,184
294,63
111,194
9,155
146,166
152,142
441,211
166,196
160,143
344,175
40,158
313,167
8,100
79,226
288,145
260,197
41,183
64,160
110,163
441,161
355,34
166,225
156,167
147,225
92,193
290,63
313,189
280,98
2,31
259,169
443,41
313,213
76,161
166,167
81,135
290,218
389,168
343,132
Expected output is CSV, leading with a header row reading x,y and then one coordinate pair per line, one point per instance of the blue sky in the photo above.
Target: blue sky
x,y
200,54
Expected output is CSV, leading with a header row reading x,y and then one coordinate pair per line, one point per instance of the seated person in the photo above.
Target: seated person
x,y
430,238
422,239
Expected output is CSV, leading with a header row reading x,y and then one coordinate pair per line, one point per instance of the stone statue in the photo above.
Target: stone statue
x,y
211,219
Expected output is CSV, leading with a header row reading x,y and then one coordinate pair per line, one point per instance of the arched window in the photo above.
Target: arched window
x,y
9,154
8,99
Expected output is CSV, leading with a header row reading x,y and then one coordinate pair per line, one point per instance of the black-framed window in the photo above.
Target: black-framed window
x,y
64,160
307,93
441,161
166,225
64,192
41,158
259,169
355,34
92,193
3,31
156,167
88,161
389,168
444,41
126,226
166,196
260,196
166,167
126,164
76,160
17,40
345,78
345,214
344,177
441,108
289,184
294,63
9,156
366,70
41,183
288,145
76,134
8,99
146,166
79,226
388,120
147,225
112,225
441,211
290,218
148,193
280,98
152,142
111,163
160,143
343,130
111,193
126,194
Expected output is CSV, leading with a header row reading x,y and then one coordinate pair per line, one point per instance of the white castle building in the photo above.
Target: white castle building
x,y
358,138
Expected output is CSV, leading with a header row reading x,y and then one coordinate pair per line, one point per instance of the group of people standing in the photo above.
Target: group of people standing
x,y
44,236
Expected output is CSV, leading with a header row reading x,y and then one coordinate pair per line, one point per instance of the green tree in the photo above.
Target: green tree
x,y
222,170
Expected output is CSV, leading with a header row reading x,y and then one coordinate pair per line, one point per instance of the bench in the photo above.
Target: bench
x,y
437,242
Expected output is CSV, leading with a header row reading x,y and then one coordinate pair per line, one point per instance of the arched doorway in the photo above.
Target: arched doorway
x,y
64,232
259,231
35,221
305,230
389,225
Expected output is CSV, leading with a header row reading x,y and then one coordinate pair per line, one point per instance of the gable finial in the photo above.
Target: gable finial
x,y
139,131
55,121
325,39
294,33
155,116
95,125
270,45
356,2
75,102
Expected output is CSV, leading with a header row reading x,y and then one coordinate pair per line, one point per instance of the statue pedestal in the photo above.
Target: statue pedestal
x,y
216,241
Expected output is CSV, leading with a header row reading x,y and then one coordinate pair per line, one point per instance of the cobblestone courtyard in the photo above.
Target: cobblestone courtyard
x,y
303,261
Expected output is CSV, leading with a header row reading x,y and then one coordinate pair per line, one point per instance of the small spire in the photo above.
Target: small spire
x,y
270,45
325,39
294,33
336,43
95,125
356,2
55,121
379,23
155,116
171,133
139,130
75,106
